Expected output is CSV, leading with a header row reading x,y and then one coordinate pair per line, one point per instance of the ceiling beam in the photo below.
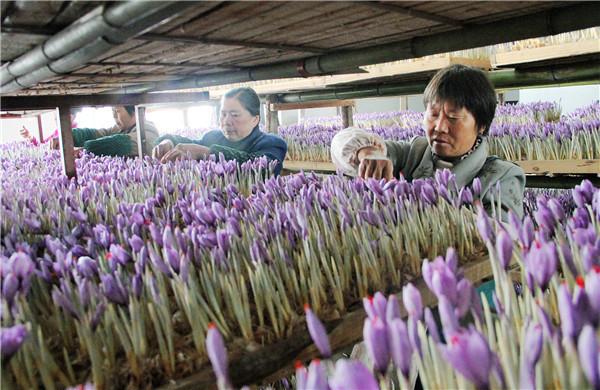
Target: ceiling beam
x,y
11,103
166,65
399,9
151,37
229,42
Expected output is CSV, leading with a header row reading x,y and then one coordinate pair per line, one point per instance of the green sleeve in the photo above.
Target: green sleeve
x,y
235,154
176,139
398,153
111,145
81,135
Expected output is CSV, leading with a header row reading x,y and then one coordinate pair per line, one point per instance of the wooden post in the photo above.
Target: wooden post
x,y
272,117
403,103
40,130
140,120
65,137
347,116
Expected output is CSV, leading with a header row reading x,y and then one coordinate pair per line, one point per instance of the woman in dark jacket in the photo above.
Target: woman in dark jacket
x,y
238,139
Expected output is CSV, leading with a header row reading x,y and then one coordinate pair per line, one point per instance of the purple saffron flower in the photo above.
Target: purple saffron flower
x,y
113,289
589,355
504,248
432,325
440,278
393,308
316,379
375,337
317,332
411,297
217,354
541,263
352,374
11,340
592,289
583,193
87,267
531,353
301,375
570,321
464,290
483,226
136,243
557,210
526,233
380,305
119,254
448,318
10,287
400,347
469,353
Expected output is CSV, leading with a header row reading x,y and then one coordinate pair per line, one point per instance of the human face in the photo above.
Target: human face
x,y
122,118
236,122
451,131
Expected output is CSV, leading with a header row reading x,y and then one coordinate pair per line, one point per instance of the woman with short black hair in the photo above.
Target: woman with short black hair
x,y
460,106
238,139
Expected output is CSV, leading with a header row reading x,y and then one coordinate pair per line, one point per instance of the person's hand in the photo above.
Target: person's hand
x,y
25,133
162,148
371,164
186,151
77,152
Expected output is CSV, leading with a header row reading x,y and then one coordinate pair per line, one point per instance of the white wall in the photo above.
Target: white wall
x,y
10,127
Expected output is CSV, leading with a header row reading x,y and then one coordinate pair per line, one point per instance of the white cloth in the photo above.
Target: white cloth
x,y
348,142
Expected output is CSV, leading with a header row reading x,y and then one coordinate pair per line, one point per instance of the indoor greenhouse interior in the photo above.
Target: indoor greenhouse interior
x,y
312,195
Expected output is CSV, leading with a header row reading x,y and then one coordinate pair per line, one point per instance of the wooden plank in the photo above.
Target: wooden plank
x,y
541,167
545,167
309,166
547,52
276,361
312,104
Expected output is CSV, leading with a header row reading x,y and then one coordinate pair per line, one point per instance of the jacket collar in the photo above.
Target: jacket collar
x,y
464,170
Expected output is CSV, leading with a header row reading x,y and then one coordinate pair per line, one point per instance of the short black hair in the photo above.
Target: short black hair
x,y
465,87
247,98
130,110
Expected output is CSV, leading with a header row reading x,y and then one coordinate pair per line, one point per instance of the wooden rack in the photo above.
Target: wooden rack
x,y
276,361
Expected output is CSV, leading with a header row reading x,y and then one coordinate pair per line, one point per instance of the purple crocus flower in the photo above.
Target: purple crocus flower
x,y
450,324
592,289
113,289
217,354
375,337
411,297
432,325
483,226
440,278
504,248
464,290
570,320
136,243
11,340
10,287
583,193
526,233
316,378
301,374
476,185
87,267
393,308
589,355
352,374
469,353
119,254
317,332
400,347
530,355
541,262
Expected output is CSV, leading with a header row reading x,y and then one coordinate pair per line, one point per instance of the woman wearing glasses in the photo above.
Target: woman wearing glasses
x,y
238,139
461,104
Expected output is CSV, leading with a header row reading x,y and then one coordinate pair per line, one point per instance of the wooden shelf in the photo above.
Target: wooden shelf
x,y
311,104
275,361
531,167
546,167
543,53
